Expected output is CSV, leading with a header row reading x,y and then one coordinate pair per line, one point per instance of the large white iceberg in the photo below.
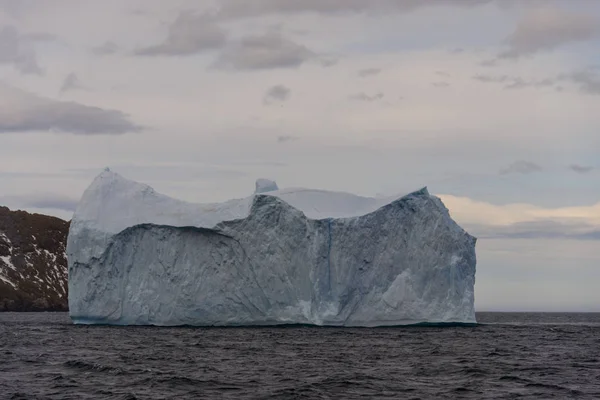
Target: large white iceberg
x,y
292,256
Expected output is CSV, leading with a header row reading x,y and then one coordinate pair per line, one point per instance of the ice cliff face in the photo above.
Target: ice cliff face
x,y
138,257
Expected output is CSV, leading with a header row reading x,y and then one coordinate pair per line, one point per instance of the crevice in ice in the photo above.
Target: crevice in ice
x,y
253,270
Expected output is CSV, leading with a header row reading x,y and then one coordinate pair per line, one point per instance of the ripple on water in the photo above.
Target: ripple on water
x,y
43,356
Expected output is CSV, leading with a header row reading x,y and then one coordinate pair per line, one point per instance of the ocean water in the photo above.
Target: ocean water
x,y
506,356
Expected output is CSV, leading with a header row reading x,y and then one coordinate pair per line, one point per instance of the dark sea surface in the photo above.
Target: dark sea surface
x,y
506,356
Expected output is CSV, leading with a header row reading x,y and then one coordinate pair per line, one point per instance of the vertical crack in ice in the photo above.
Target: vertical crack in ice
x,y
252,269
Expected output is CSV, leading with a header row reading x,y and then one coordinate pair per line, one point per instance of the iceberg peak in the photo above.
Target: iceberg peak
x,y
265,185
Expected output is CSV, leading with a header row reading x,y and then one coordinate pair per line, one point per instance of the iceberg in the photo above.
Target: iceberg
x,y
278,256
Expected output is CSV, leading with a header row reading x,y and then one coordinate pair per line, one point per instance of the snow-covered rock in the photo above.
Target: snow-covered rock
x,y
292,256
33,262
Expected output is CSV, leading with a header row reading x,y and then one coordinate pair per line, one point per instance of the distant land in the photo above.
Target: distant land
x,y
33,262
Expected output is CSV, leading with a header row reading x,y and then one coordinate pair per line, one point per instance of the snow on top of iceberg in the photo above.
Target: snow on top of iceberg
x,y
112,203
321,204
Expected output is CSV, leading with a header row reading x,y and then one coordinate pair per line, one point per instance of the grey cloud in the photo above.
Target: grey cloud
x,y
515,82
489,78
59,203
541,229
544,83
521,167
588,81
547,28
106,49
189,34
277,93
17,50
363,73
440,84
27,64
442,73
327,61
21,111
592,235
263,163
365,97
239,9
268,51
286,138
71,82
179,172
139,12
580,169
13,7
30,175
40,200
39,37
489,63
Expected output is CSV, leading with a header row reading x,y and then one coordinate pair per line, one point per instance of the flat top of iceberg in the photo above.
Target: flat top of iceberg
x,y
114,203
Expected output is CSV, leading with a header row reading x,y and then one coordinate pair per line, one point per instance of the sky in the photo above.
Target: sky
x,y
494,105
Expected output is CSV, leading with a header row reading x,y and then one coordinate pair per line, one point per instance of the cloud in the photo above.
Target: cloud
x,y
71,82
286,138
489,78
172,172
41,200
263,163
515,82
485,220
492,62
13,7
189,34
365,97
363,73
58,203
440,84
543,229
588,81
521,167
268,51
520,83
240,9
277,93
580,169
106,49
328,61
21,111
546,28
39,37
17,50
